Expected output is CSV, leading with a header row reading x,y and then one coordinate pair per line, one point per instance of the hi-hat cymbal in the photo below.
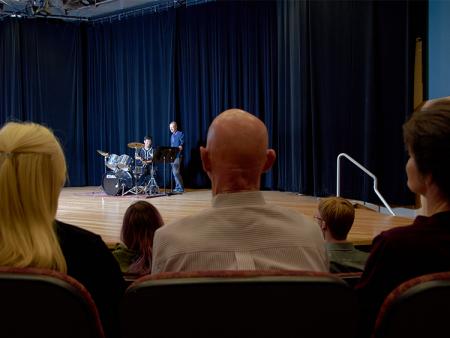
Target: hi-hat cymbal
x,y
103,153
135,145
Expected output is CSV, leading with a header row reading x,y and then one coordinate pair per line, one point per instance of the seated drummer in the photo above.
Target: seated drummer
x,y
144,159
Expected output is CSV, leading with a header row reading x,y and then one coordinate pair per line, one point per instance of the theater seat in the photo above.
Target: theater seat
x,y
45,303
351,278
239,304
417,308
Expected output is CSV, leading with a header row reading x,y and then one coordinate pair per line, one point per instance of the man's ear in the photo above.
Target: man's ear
x,y
270,159
206,163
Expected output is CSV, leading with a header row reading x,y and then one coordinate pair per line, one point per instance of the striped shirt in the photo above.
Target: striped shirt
x,y
240,232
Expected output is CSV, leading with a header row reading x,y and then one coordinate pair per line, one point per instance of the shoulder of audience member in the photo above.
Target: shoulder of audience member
x,y
395,238
73,232
400,231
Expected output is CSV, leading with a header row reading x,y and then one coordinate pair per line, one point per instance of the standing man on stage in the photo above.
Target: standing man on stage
x,y
177,140
145,158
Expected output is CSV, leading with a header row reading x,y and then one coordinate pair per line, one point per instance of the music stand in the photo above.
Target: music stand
x,y
165,155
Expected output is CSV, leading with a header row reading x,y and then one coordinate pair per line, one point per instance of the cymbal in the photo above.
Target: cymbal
x,y
135,145
103,153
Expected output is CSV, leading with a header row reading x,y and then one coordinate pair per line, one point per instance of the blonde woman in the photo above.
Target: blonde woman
x,y
32,174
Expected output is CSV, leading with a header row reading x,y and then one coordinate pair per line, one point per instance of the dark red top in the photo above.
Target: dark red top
x,y
398,255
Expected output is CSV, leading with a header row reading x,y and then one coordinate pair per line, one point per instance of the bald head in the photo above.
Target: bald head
x,y
237,146
442,103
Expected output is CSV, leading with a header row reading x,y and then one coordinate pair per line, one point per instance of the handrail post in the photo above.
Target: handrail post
x,y
338,176
360,166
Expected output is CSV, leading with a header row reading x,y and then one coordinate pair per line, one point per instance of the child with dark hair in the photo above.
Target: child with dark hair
x,y
138,228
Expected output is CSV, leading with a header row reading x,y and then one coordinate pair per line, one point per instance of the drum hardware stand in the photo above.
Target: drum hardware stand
x,y
105,157
165,155
164,161
136,190
123,189
152,187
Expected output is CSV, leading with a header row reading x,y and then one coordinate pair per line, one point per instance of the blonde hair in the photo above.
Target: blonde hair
x,y
338,215
32,173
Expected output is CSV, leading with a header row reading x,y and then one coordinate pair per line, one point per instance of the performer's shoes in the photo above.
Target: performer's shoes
x,y
178,190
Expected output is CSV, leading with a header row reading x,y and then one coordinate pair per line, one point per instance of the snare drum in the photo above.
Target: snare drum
x,y
115,183
113,159
124,162
147,169
139,170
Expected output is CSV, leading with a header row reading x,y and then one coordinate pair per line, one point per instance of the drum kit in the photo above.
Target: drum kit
x,y
121,177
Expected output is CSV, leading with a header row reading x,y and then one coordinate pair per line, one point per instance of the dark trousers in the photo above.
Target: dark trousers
x,y
176,174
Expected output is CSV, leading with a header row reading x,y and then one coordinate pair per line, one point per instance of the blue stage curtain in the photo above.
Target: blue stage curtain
x,y
130,85
226,58
325,76
10,71
345,85
41,81
186,65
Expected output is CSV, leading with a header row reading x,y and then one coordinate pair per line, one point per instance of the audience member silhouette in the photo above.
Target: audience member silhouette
x,y
433,104
335,218
138,228
241,231
32,174
402,253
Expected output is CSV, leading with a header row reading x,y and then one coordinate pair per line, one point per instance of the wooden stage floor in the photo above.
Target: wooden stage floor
x,y
90,208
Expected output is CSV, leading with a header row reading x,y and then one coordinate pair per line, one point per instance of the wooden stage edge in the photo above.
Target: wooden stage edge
x,y
90,208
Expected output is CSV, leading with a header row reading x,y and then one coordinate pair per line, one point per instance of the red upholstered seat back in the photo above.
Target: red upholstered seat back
x,y
239,304
419,307
45,303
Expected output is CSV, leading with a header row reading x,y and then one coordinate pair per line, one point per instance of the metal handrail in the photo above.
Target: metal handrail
x,y
360,166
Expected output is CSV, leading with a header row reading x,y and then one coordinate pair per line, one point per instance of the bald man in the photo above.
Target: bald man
x,y
240,231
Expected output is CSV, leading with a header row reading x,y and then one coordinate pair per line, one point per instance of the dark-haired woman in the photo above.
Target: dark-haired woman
x,y
423,247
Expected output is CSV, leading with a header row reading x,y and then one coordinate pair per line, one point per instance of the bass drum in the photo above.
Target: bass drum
x,y
114,182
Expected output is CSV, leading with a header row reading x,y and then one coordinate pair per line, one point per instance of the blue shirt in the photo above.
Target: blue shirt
x,y
176,140
146,154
